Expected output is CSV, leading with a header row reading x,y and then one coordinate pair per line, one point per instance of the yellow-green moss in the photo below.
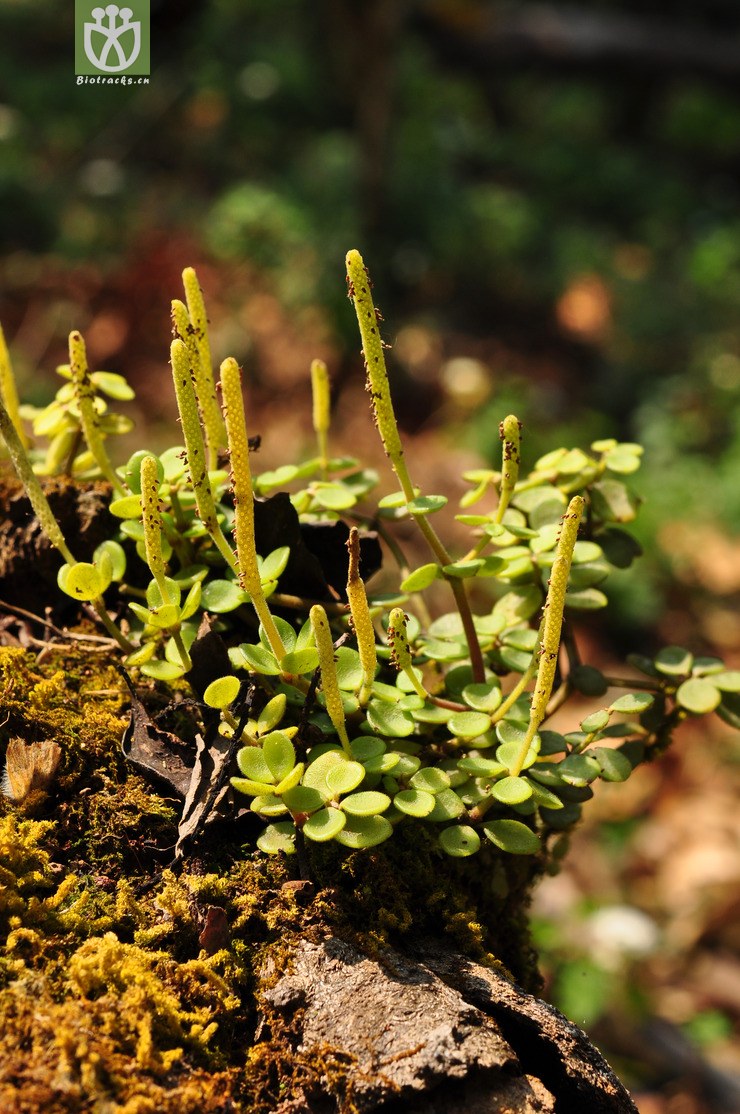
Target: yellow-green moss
x,y
109,1000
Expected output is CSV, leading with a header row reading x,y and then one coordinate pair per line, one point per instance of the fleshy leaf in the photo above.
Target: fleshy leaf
x,y
512,836
325,824
222,692
278,837
279,754
459,840
414,802
364,831
698,695
370,802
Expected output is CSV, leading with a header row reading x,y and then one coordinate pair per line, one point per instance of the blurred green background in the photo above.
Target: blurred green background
x,y
548,196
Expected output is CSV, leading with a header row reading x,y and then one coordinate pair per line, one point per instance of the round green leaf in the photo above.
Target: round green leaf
x,y
299,662
364,831
116,555
333,496
508,753
81,581
427,504
597,721
268,805
588,599
272,713
632,703
345,776
414,802
301,798
325,824
279,754
615,766
278,837
463,569
221,596
368,803
406,766
430,779
388,719
468,725
578,769
698,695
252,788
349,669
512,790
483,697
674,661
512,836
367,746
222,692
251,762
274,564
420,578
162,670
459,840
478,766
128,506
447,806
727,680
259,659
320,766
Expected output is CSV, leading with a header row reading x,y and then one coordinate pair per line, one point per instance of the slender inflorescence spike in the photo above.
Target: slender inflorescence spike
x,y
385,418
241,475
327,665
33,488
195,448
321,408
85,399
362,622
377,374
552,624
400,653
151,516
203,368
9,392
510,433
45,515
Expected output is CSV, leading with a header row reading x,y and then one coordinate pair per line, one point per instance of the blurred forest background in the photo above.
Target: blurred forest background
x,y
548,196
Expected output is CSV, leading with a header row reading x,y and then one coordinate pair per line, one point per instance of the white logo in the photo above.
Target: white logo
x,y
111,33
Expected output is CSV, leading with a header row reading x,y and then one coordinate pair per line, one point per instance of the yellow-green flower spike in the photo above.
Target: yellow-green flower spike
x,y
552,624
195,447
377,374
362,622
321,407
33,488
400,653
9,391
241,476
85,399
151,515
329,684
203,368
358,282
510,433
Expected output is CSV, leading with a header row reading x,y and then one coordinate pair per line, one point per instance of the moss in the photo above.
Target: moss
x,y
114,992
